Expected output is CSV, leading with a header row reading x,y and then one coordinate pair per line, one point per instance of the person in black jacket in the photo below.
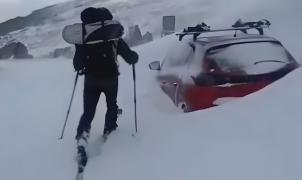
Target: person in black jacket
x,y
98,62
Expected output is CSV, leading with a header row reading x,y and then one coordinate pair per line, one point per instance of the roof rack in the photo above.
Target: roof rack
x,y
239,25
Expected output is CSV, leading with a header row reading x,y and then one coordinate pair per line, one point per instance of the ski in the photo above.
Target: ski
x,y
105,135
104,138
239,25
82,161
82,157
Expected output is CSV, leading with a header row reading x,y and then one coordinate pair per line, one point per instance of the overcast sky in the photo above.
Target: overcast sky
x,y
13,8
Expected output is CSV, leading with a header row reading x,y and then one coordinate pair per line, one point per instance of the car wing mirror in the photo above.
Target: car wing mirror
x,y
155,65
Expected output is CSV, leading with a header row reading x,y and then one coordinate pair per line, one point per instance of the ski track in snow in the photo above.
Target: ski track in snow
x,y
256,137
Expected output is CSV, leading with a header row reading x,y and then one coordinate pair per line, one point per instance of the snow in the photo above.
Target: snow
x,y
284,17
255,137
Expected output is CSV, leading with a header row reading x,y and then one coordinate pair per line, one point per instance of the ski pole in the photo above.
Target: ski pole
x,y
134,81
68,111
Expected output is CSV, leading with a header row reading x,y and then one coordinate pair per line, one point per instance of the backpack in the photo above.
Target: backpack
x,y
100,59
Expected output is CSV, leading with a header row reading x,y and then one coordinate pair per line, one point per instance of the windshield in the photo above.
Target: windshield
x,y
177,56
249,58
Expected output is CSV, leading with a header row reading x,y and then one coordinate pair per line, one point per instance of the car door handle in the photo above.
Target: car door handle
x,y
167,83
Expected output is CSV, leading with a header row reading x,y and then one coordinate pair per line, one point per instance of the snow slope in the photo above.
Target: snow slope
x,y
256,137
44,38
284,15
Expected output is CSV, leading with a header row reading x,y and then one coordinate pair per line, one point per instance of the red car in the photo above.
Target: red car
x,y
204,72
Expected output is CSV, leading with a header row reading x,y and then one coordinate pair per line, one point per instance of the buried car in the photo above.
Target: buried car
x,y
204,72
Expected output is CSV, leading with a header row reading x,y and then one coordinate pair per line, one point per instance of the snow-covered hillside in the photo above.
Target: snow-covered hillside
x,y
255,137
43,38
284,15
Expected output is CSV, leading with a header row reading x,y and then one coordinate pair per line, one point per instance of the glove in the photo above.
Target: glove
x,y
134,58
134,61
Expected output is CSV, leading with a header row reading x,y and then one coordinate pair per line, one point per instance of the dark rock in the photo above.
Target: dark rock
x,y
7,51
17,50
67,52
134,36
21,52
147,37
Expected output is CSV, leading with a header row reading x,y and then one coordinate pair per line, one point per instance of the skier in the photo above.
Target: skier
x,y
98,62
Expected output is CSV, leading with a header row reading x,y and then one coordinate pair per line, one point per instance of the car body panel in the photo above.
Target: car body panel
x,y
201,97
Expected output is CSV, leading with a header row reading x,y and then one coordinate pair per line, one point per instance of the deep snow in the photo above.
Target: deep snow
x,y
255,137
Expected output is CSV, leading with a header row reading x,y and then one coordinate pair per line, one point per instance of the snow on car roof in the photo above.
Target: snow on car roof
x,y
212,41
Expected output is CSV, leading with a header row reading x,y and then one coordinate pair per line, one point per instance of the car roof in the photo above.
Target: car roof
x,y
212,41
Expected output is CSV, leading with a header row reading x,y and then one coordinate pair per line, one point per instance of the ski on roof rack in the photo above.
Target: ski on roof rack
x,y
239,25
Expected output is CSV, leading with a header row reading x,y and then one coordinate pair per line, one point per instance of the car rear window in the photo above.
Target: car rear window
x,y
250,58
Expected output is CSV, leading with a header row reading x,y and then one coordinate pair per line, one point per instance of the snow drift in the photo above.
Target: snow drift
x,y
255,137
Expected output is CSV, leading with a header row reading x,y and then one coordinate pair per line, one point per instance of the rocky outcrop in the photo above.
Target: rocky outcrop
x,y
16,50
67,52
21,52
135,37
147,37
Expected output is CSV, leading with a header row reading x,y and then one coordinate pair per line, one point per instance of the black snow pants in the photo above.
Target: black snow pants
x,y
93,88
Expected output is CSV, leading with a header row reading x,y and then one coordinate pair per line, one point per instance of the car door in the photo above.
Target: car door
x,y
174,70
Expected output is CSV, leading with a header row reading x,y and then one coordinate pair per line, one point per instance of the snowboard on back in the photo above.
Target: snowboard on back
x,y
93,33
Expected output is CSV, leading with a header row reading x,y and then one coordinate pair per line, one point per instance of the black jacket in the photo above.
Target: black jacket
x,y
99,60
